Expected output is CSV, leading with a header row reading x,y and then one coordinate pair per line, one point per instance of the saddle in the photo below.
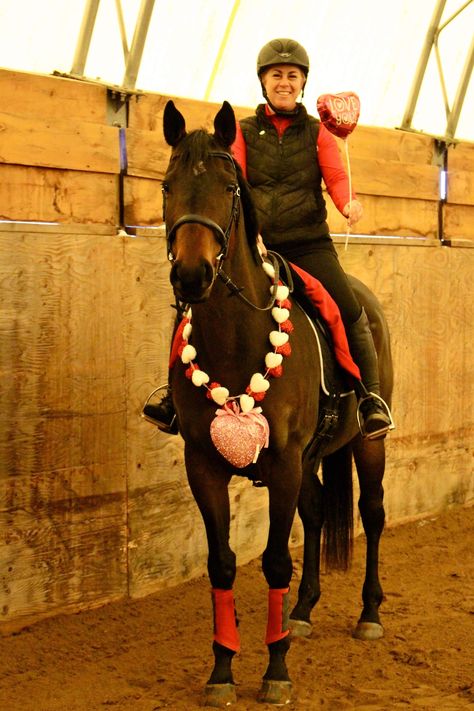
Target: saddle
x,y
338,370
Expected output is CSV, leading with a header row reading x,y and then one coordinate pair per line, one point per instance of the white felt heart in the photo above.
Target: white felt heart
x,y
246,403
187,330
280,315
188,354
219,395
273,360
278,338
282,292
199,377
269,269
258,384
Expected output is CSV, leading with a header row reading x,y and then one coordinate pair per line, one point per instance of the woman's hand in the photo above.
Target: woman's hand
x,y
353,211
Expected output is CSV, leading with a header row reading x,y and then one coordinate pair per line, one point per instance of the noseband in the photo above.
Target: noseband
x,y
222,236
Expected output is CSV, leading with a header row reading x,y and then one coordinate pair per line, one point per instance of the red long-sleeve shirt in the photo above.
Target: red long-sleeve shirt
x,y
330,162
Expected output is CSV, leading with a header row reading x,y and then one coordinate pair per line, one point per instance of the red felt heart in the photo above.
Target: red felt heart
x,y
239,436
339,112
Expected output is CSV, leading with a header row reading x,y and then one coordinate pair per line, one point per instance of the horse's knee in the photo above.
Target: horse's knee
x,y
222,570
277,569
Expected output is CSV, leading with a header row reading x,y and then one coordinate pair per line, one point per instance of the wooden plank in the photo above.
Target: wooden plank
x,y
392,179
38,95
146,112
459,222
59,143
52,195
147,153
460,187
461,156
63,415
385,144
403,217
143,201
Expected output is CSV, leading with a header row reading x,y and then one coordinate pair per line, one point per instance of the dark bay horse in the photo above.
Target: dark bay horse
x,y
211,226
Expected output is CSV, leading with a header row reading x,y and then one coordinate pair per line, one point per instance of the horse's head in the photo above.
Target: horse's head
x,y
200,201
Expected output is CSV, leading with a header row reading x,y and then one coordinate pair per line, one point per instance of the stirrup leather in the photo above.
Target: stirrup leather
x,y
360,418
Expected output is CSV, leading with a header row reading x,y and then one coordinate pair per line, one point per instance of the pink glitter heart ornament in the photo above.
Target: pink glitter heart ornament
x,y
239,436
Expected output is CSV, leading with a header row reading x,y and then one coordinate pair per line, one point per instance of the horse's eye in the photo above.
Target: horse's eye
x,y
165,188
230,188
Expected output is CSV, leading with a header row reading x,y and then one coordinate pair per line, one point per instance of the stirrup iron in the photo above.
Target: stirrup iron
x,y
382,431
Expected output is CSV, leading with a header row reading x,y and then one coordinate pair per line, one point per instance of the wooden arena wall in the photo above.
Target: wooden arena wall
x,y
94,503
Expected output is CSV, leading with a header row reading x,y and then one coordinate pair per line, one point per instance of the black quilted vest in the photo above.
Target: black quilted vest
x,y
286,178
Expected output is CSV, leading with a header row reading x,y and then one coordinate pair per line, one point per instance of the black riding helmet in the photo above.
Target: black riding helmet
x,y
281,51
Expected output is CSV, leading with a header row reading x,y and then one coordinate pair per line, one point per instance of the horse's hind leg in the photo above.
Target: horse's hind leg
x,y
310,509
369,457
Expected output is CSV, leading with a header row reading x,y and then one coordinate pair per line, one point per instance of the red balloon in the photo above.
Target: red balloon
x,y
339,112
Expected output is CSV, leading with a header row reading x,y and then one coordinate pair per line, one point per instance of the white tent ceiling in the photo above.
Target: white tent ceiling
x,y
206,49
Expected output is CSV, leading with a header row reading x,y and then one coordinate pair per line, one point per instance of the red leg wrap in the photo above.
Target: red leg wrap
x,y
278,614
225,619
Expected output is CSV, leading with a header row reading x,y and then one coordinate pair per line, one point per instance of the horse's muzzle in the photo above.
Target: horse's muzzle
x,y
192,284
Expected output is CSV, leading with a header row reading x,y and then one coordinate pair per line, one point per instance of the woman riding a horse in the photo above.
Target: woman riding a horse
x,y
285,153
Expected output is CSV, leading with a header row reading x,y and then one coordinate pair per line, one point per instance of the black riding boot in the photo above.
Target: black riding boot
x,y
375,419
162,414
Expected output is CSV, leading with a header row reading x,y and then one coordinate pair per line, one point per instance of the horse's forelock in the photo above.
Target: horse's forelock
x,y
196,146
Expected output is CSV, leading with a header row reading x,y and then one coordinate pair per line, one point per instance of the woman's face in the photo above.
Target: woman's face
x,y
283,84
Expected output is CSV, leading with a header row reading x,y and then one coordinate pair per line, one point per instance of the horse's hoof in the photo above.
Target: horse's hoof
x,y
275,692
220,695
300,628
368,631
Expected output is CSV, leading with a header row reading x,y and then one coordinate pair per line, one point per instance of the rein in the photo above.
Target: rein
x,y
223,237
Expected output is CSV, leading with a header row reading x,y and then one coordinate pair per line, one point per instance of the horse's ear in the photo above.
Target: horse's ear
x,y
224,124
174,125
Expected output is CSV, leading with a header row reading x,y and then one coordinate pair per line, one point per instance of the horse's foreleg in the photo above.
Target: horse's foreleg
x,y
370,462
310,509
277,568
209,487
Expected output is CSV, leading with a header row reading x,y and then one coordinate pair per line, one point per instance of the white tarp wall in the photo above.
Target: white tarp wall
x,y
206,49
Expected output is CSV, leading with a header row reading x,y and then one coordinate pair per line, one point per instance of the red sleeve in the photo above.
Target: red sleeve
x,y
332,168
239,150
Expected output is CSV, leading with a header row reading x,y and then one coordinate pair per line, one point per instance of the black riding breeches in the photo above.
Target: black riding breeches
x,y
321,261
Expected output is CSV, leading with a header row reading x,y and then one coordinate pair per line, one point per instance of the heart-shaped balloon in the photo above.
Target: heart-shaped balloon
x,y
239,437
339,112
259,384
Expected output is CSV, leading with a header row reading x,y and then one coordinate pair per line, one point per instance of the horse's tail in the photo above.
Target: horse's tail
x,y
338,509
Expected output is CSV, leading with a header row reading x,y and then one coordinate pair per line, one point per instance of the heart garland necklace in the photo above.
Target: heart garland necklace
x,y
239,430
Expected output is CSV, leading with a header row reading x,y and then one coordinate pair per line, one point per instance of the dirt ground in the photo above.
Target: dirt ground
x,y
155,653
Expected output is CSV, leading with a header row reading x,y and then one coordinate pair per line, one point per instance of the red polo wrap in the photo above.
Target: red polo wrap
x,y
277,623
225,621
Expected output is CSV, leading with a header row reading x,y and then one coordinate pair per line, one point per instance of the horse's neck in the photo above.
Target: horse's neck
x,y
229,334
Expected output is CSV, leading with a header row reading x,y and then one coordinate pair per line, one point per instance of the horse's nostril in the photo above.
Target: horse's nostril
x,y
192,280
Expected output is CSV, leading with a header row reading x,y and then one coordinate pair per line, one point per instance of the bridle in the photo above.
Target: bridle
x,y
222,236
